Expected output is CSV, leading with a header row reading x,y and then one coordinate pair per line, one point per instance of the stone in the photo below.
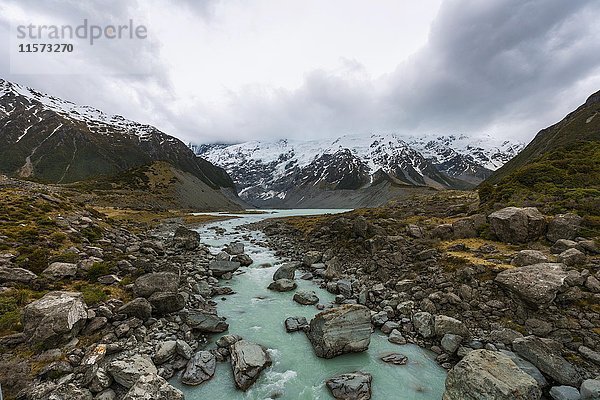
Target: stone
x,y
517,225
538,327
126,372
450,342
108,279
20,275
564,393
543,354
55,318
166,302
529,257
203,289
97,379
220,268
389,326
527,367
444,325
294,324
380,318
60,270
248,360
200,368
563,226
395,358
223,256
138,308
244,259
184,349
503,335
424,324
235,248
306,297
147,284
205,322
107,394
488,375
396,337
572,257
537,284
590,389
165,352
286,271
153,387
352,386
226,341
562,245
282,285
186,238
590,354
312,257
592,284
344,329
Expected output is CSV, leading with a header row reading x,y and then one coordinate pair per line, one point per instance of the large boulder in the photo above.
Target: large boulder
x,y
248,360
286,271
126,372
488,375
166,302
306,297
345,329
563,226
529,257
590,389
220,268
352,386
153,387
186,238
55,318
235,248
424,324
536,284
205,322
571,257
138,308
200,368
60,270
444,325
517,225
20,275
147,284
542,354
283,285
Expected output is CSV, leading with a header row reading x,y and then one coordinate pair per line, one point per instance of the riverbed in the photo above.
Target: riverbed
x,y
257,314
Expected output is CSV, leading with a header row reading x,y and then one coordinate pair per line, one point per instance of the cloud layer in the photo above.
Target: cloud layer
x,y
507,67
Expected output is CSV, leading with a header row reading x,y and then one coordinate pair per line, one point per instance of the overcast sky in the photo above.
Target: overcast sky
x,y
235,70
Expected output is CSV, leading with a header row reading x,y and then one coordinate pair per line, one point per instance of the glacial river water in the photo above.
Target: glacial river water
x,y
258,314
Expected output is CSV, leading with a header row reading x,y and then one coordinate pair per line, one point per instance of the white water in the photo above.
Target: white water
x,y
258,314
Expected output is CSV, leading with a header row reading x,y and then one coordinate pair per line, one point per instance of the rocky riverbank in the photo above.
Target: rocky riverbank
x,y
510,289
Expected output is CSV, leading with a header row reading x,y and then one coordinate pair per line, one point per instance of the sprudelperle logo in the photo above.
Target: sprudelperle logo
x,y
85,31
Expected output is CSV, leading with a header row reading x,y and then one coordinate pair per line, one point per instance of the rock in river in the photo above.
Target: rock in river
x,y
306,297
286,271
200,368
220,268
353,386
206,322
283,285
294,324
345,329
537,284
488,375
248,360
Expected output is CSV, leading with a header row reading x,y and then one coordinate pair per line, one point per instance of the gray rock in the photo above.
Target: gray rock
x,y
590,354
389,326
107,394
529,257
165,352
444,325
517,225
147,284
488,375
220,268
21,275
396,337
562,245
563,226
60,270
203,289
527,367
564,393
503,335
244,259
55,318
424,324
126,372
97,379
395,358
186,238
200,368
282,285
451,342
235,248
223,256
352,386
184,349
306,297
294,324
227,340
590,389
543,355
139,308
70,391
248,360
537,284
345,329
206,322
286,271
572,257
153,387
380,318
312,257
166,302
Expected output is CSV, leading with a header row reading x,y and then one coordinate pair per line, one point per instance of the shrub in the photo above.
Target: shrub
x,y
97,270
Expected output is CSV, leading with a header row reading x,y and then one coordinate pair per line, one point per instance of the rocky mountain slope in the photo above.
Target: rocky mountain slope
x,y
309,173
559,170
55,141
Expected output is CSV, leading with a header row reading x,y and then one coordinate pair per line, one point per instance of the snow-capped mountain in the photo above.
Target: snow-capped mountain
x,y
271,173
54,140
